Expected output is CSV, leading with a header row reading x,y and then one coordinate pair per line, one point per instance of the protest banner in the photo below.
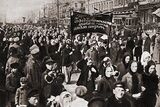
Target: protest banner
x,y
85,23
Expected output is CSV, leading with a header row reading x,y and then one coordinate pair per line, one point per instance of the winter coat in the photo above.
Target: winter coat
x,y
77,56
33,72
133,88
66,58
21,96
122,67
147,44
54,88
156,51
84,78
12,83
127,79
130,45
150,82
11,60
93,54
113,102
105,87
138,47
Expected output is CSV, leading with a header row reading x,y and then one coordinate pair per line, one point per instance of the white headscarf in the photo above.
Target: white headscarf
x,y
145,54
62,98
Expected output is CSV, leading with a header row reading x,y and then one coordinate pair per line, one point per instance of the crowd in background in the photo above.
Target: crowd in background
x,y
40,60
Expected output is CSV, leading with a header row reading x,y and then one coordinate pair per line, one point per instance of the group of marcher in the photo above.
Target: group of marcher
x,y
36,62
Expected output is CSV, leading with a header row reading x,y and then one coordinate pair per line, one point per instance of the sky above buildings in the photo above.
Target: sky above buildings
x,y
16,9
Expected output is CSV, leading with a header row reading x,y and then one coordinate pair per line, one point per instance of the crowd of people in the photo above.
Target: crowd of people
x,y
36,62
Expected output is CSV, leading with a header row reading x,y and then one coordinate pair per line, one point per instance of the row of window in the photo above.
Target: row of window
x,y
102,5
128,21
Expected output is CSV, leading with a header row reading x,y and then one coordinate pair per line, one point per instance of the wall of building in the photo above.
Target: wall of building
x,y
96,6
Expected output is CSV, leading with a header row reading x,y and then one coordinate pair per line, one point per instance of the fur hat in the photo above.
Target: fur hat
x,y
34,49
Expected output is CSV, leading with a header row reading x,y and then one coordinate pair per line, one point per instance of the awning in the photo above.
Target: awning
x,y
157,12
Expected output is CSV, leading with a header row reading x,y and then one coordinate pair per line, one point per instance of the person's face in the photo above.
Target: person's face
x,y
67,99
134,67
52,73
127,59
34,100
118,92
89,62
23,84
14,70
122,47
67,46
146,59
152,69
108,72
78,38
129,38
49,66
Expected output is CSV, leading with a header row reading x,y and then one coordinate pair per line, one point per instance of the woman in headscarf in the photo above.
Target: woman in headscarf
x,y
133,84
65,99
123,66
106,62
105,85
150,82
145,58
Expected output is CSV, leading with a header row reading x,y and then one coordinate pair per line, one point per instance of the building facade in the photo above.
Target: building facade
x,y
98,6
131,12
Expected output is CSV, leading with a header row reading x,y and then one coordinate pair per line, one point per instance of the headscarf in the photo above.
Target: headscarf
x,y
123,59
149,64
144,55
63,95
135,80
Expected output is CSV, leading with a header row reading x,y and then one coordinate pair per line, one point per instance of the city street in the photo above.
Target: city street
x,y
114,43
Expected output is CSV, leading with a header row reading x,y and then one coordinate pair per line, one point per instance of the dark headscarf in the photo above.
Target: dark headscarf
x,y
149,64
123,59
135,81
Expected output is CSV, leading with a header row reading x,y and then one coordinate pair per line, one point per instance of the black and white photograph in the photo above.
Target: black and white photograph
x,y
79,53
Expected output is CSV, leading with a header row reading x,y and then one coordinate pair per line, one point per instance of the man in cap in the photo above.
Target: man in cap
x,y
67,53
33,68
12,83
118,99
51,82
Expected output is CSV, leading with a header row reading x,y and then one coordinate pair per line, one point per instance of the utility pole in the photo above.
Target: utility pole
x,y
88,6
44,11
58,14
39,14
